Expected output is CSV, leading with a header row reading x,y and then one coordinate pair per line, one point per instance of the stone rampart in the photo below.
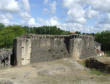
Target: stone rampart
x,y
38,48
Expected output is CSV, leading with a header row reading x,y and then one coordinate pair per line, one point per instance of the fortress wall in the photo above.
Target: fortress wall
x,y
83,47
39,48
88,48
22,51
76,48
47,49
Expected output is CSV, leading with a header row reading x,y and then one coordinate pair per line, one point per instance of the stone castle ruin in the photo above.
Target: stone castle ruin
x,y
39,48
29,49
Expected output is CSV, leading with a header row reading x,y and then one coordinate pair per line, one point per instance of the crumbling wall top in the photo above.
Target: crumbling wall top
x,y
34,36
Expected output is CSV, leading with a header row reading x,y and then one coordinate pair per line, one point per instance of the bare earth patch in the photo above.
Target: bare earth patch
x,y
63,71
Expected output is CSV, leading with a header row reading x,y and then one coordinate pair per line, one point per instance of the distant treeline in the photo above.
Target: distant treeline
x,y
8,33
104,39
51,30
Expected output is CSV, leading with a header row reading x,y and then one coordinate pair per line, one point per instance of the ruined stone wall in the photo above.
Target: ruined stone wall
x,y
47,48
21,51
5,55
83,48
38,48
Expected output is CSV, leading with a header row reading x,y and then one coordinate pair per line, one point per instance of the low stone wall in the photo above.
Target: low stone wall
x,y
38,48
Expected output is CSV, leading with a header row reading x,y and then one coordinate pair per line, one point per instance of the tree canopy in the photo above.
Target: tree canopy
x,y
104,39
52,30
1,26
7,34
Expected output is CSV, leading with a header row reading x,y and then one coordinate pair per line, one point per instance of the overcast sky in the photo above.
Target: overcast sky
x,y
74,15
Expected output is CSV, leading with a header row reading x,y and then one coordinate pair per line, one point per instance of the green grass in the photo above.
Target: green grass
x,y
97,72
107,53
94,71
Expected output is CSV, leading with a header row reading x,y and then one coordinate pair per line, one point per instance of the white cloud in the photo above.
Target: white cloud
x,y
76,15
53,21
11,8
80,11
8,15
9,5
71,27
91,13
53,6
26,5
32,22
100,5
4,20
29,22
101,27
45,10
75,12
45,1
25,15
27,19
105,19
70,3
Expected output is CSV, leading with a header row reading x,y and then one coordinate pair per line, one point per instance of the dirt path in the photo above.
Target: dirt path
x,y
64,71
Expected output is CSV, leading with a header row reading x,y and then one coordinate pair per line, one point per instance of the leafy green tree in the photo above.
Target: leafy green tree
x,y
8,33
1,26
77,32
104,39
52,30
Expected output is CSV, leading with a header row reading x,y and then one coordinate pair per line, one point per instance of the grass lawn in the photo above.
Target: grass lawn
x,y
107,53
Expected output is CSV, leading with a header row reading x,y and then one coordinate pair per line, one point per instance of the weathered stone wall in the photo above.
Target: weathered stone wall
x,y
5,58
82,47
48,48
21,51
37,48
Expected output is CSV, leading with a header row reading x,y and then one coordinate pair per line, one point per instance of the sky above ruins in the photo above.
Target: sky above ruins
x,y
73,15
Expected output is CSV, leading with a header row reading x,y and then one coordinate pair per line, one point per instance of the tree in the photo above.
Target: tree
x,y
104,39
77,32
8,33
1,26
52,30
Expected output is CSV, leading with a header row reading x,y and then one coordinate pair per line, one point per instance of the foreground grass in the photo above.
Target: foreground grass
x,y
93,70
97,72
107,53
